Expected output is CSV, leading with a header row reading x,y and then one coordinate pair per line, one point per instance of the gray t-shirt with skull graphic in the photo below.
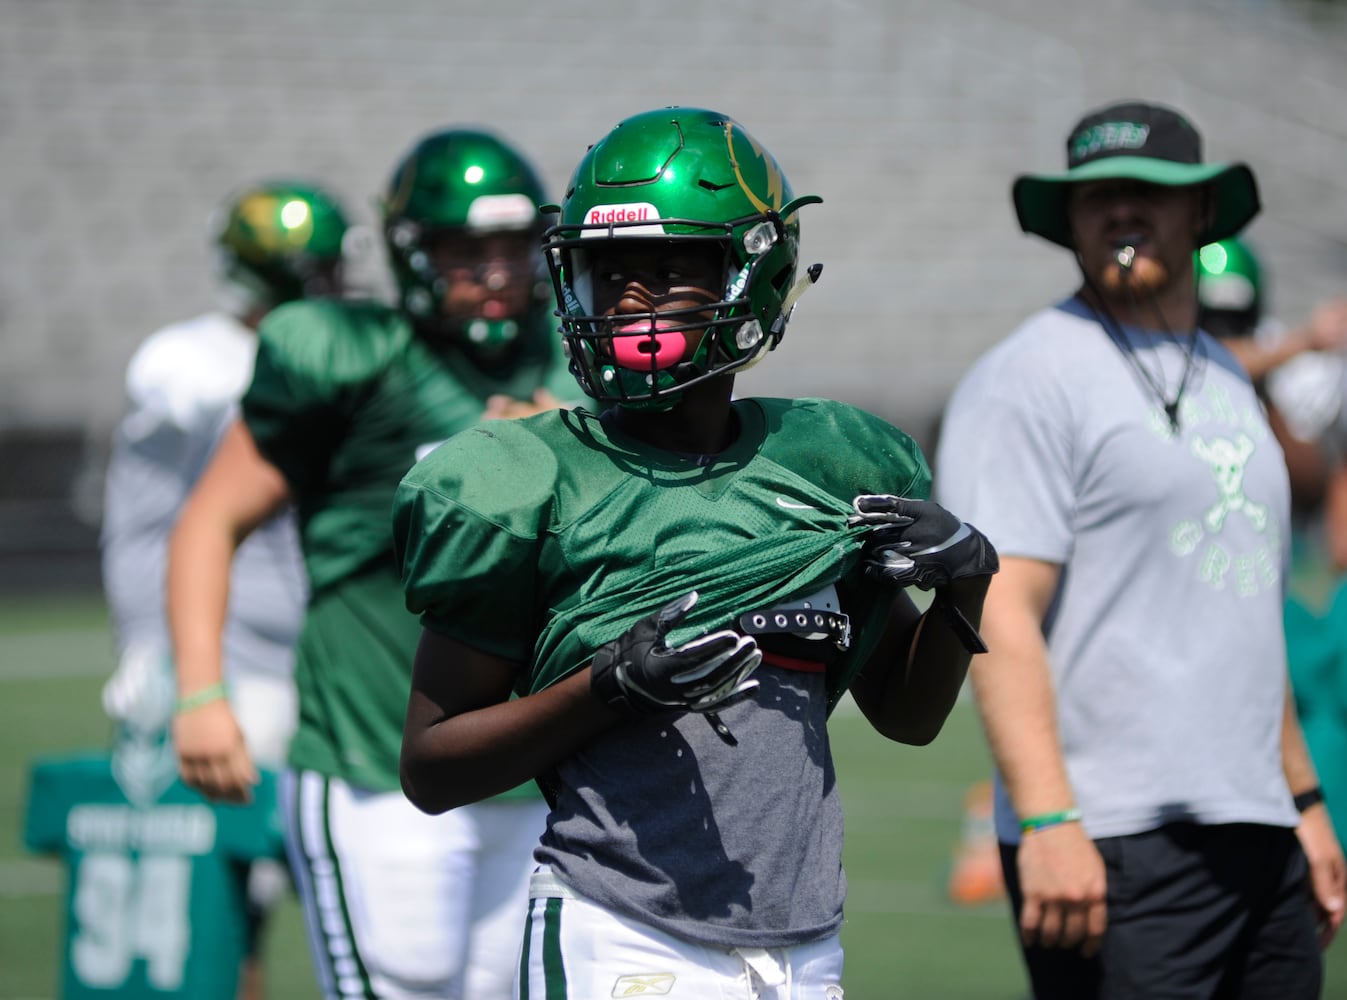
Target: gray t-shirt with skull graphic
x,y
1165,635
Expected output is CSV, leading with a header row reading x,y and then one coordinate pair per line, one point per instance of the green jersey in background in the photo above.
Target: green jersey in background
x,y
345,398
156,901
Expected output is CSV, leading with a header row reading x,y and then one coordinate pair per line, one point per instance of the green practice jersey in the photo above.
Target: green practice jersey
x,y
542,539
156,902
345,397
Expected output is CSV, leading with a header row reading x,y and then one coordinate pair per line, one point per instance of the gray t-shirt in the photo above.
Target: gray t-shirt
x,y
1165,635
742,848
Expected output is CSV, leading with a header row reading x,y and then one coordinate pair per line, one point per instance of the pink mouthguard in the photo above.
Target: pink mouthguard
x,y
634,347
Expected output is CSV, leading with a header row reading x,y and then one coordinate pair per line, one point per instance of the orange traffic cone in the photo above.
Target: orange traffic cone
x,y
975,877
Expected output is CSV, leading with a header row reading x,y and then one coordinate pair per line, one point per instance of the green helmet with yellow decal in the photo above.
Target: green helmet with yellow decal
x,y
276,241
677,175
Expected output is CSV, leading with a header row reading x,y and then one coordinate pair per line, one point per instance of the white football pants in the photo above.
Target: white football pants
x,y
577,950
400,905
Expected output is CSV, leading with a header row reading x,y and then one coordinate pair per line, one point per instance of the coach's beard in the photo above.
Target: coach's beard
x,y
1145,276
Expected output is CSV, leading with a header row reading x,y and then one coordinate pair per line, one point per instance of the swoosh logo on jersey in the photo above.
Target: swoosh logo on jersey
x,y
422,450
656,984
791,505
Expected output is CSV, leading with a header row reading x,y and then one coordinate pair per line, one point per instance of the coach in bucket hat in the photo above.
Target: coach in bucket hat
x,y
1160,826
1137,141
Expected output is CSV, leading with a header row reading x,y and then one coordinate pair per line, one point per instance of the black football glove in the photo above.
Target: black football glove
x,y
641,675
918,543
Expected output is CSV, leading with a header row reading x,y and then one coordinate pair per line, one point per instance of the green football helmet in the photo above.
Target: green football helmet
x,y
676,174
277,241
1229,288
466,182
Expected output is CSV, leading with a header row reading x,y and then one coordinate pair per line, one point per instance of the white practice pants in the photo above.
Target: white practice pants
x,y
400,905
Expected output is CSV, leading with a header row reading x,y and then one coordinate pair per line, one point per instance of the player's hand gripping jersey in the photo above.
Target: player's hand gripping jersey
x,y
528,527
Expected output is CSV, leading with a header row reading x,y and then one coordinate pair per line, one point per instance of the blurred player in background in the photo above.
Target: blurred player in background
x,y
154,905
344,398
1300,373
625,569
273,242
1232,304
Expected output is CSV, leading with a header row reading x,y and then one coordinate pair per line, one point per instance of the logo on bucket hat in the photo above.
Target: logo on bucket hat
x,y
1133,129
1105,138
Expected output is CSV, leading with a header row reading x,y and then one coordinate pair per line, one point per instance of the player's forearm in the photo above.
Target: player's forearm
x,y
238,492
471,756
926,671
200,555
1258,358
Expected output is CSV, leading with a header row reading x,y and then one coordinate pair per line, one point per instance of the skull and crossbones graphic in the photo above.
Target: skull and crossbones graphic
x,y
1227,460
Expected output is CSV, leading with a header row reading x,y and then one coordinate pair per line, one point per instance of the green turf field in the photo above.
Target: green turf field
x,y
903,938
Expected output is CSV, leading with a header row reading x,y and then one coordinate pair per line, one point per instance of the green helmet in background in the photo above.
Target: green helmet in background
x,y
1229,288
677,174
277,241
462,181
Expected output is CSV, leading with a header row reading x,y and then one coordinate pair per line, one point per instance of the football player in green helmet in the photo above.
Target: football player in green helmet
x,y
274,242
1229,288
651,606
277,241
1231,305
461,225
1296,370
697,182
345,397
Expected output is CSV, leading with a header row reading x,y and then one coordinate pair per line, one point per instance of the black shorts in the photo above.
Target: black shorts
x,y
1210,912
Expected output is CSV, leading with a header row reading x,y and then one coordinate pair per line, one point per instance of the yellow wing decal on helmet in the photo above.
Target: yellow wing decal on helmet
x,y
277,224
775,192
396,202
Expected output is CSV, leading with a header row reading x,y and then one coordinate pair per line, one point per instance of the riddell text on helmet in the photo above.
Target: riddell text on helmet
x,y
606,214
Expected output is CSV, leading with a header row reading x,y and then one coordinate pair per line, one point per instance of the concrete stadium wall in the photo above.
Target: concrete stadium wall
x,y
123,123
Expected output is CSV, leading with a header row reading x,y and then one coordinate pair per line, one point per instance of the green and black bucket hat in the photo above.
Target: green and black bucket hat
x,y
1137,141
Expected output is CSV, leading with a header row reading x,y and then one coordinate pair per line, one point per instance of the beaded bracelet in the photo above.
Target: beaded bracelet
x,y
203,697
1032,824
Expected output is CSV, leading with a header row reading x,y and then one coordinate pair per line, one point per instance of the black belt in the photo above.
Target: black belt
x,y
798,621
